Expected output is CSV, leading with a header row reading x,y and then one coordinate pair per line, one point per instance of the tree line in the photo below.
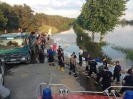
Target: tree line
x,y
23,17
125,22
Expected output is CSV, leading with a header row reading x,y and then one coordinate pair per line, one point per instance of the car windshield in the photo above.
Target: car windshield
x,y
11,43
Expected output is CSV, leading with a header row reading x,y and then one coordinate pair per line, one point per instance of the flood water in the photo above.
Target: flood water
x,y
111,46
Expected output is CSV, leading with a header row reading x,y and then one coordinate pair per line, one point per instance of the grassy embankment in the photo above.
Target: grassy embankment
x,y
45,29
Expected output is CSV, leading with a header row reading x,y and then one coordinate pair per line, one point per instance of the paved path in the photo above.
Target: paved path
x,y
22,79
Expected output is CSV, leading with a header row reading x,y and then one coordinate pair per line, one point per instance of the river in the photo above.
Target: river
x,y
113,42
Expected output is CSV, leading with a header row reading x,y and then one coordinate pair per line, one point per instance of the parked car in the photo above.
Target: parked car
x,y
1,72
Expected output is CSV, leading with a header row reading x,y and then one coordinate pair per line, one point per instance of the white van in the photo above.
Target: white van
x,y
1,73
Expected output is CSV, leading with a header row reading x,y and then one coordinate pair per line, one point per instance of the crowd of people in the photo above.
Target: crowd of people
x,y
104,76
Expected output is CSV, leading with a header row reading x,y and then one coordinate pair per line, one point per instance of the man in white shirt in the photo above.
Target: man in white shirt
x,y
80,56
4,92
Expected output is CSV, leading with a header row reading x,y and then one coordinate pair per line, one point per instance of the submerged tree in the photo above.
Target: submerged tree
x,y
101,15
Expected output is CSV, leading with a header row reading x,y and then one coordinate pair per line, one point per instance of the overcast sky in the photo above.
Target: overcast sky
x,y
67,8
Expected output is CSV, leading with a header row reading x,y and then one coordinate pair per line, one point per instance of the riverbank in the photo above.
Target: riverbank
x,y
81,69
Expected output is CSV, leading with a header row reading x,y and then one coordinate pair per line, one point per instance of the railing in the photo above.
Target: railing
x,y
91,92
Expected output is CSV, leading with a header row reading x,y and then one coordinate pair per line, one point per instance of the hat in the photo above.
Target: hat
x,y
106,67
73,52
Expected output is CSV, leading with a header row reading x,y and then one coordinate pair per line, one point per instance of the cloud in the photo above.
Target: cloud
x,y
67,8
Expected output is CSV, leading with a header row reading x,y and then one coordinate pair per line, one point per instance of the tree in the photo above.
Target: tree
x,y
3,20
101,15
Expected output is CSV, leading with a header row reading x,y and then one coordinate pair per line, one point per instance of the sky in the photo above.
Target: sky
x,y
66,8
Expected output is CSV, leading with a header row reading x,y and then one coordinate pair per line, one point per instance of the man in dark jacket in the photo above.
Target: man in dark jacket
x,y
106,78
127,81
92,64
117,72
51,56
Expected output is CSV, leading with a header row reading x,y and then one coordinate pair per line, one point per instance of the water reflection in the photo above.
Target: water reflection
x,y
121,36
94,48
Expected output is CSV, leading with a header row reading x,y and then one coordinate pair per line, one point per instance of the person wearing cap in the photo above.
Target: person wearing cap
x,y
117,72
93,65
80,56
106,78
127,81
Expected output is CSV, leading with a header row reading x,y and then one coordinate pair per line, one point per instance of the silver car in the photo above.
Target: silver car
x,y
1,72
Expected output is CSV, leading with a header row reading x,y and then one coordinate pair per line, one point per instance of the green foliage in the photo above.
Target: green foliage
x,y
59,22
22,16
3,20
126,22
101,15
127,51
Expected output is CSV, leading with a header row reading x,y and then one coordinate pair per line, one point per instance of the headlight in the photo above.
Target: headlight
x,y
23,58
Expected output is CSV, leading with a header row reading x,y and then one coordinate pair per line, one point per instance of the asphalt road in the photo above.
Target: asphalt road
x,y
22,79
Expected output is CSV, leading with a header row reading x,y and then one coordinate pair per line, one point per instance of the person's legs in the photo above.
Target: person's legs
x,y
52,60
89,73
114,76
98,78
122,90
86,69
62,67
80,60
70,69
118,78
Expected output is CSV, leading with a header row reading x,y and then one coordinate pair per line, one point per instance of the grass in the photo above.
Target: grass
x,y
45,29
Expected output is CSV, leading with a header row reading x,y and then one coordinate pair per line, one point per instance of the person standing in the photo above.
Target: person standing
x,y
54,48
4,92
59,57
71,64
87,59
93,65
127,81
37,35
80,56
105,61
51,56
100,71
117,72
106,79
41,56
62,60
